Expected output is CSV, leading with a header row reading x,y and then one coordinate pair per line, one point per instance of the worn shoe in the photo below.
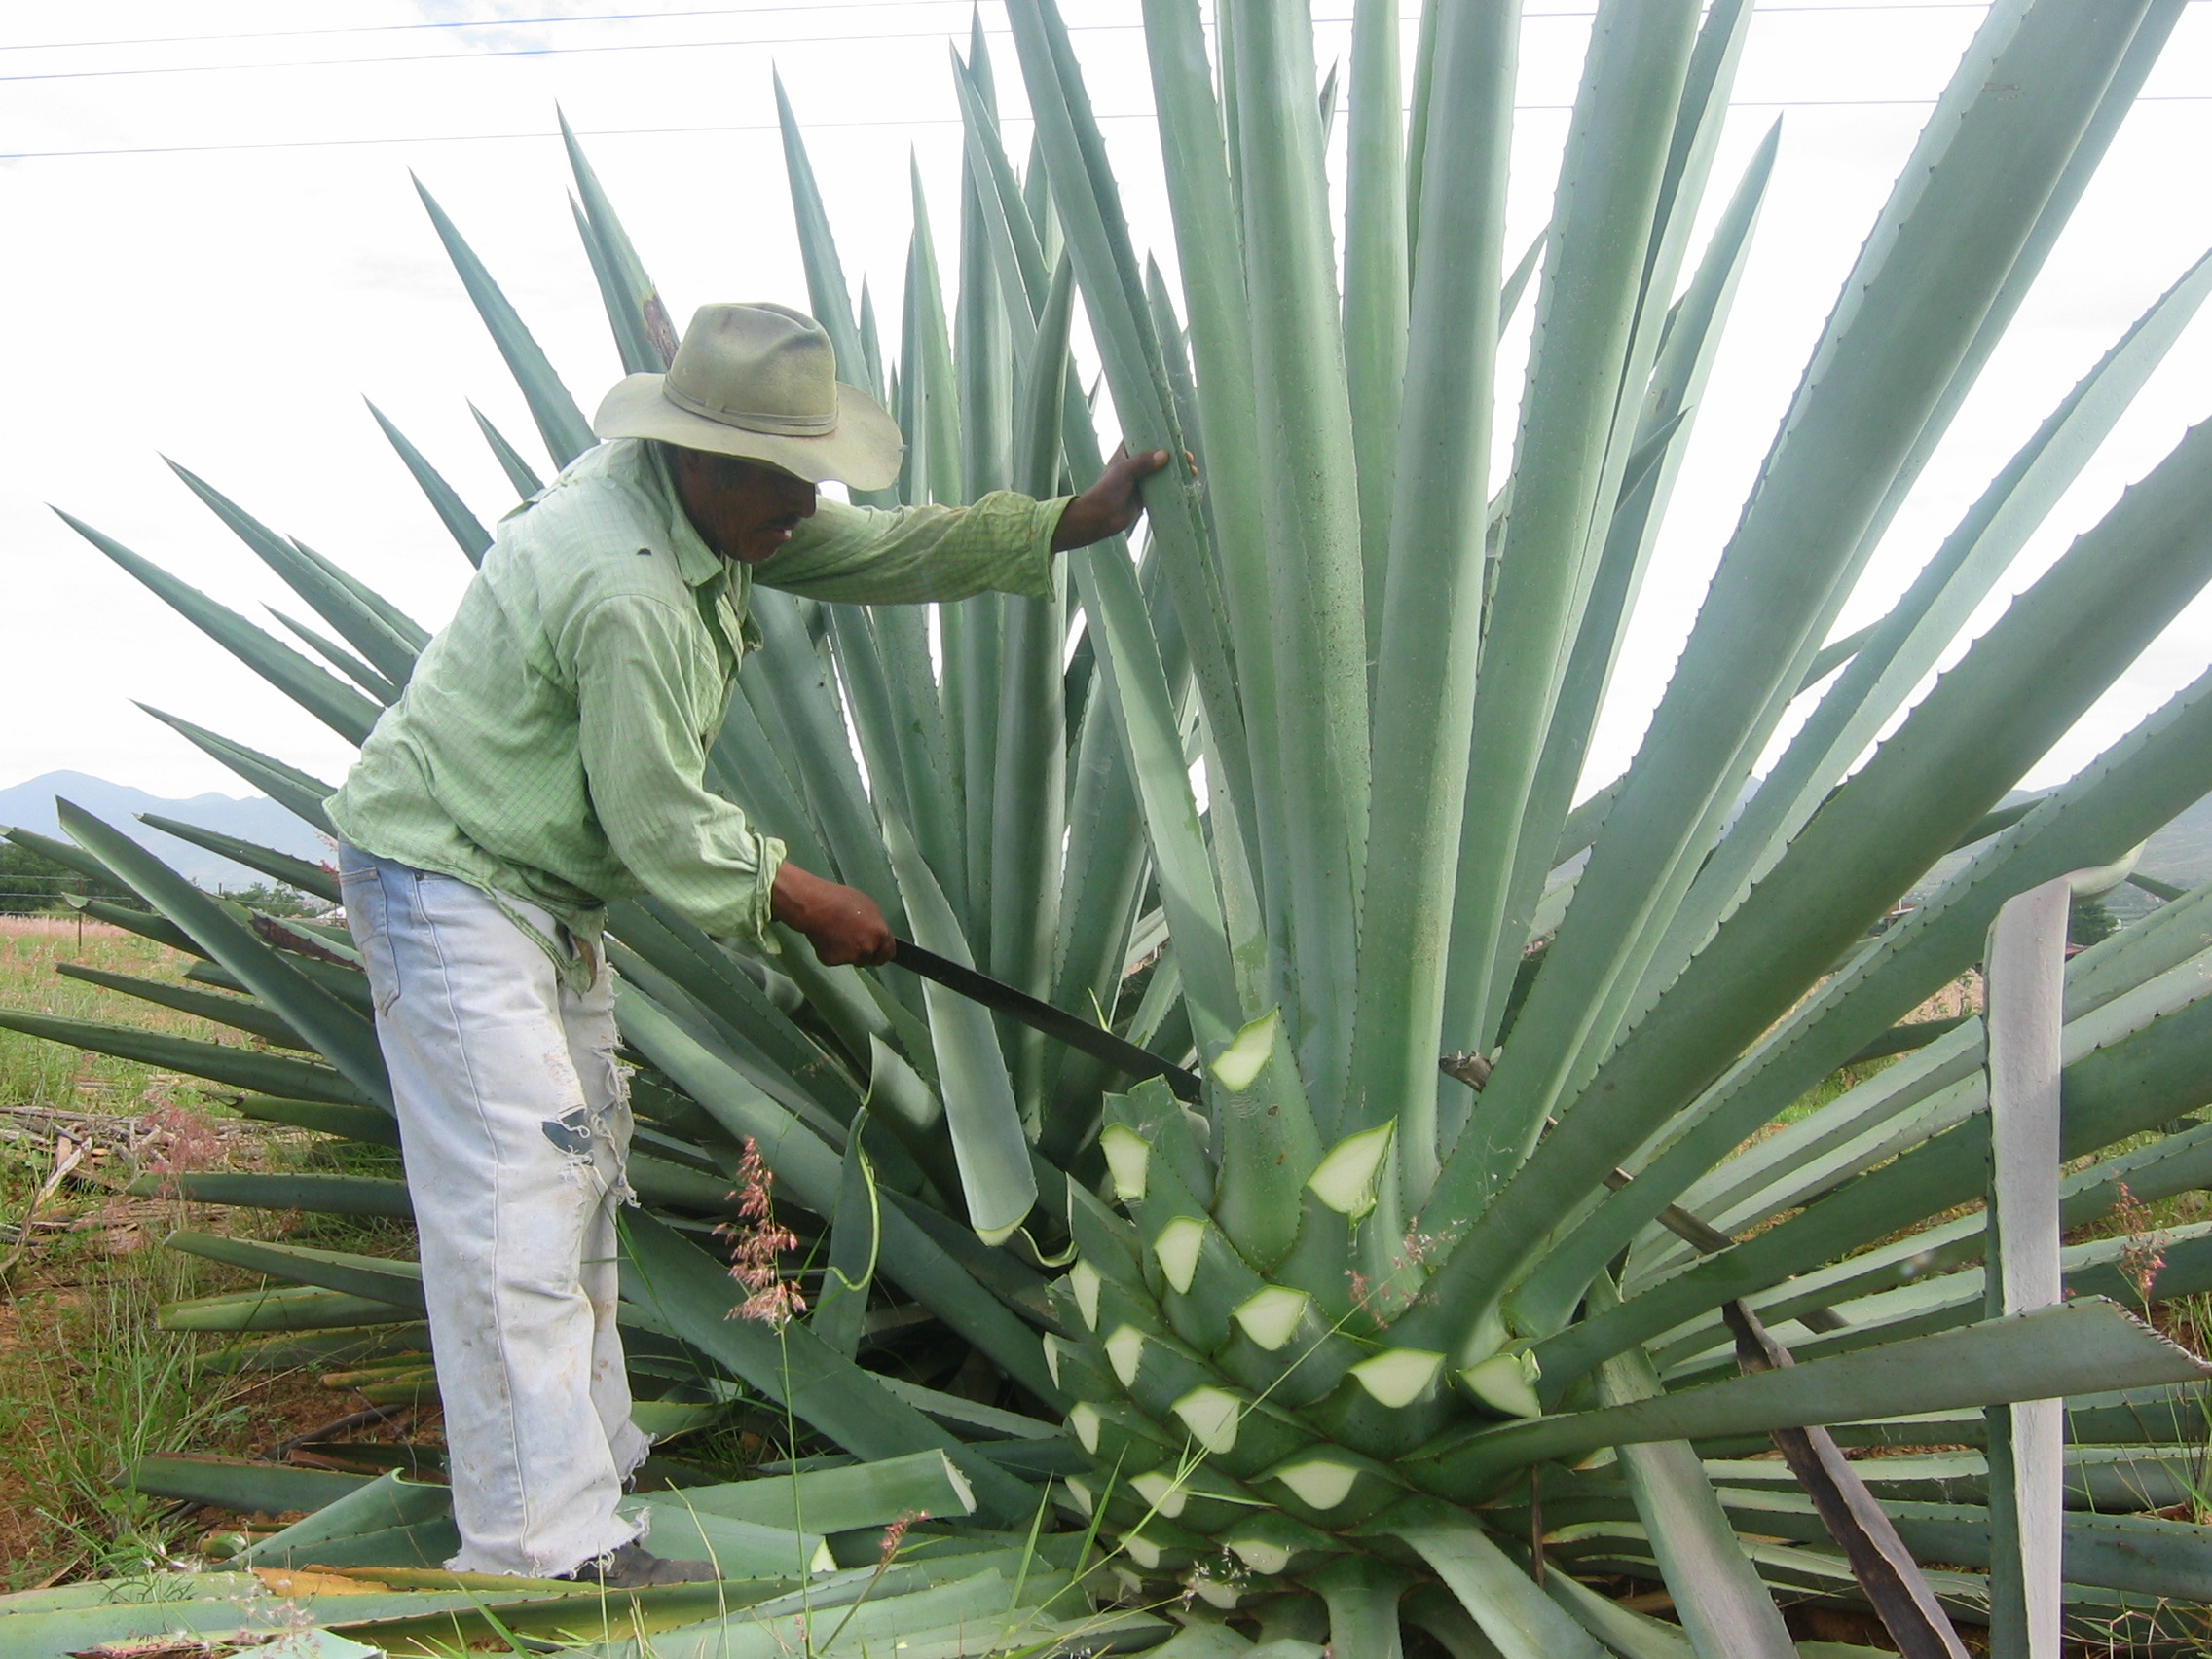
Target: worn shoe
x,y
632,1566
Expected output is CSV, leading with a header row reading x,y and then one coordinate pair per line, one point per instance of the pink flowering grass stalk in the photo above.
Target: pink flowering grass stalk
x,y
760,1241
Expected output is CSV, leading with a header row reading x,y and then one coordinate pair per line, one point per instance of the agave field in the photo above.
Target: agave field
x,y
1472,1286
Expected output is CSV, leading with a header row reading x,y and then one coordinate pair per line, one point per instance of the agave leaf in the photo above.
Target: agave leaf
x,y
311,878
2067,1349
1905,1104
1899,651
365,621
376,1279
2027,1483
631,342
70,856
2122,1552
559,422
1310,513
1946,239
981,1110
338,1031
1425,671
1120,315
1201,198
130,919
930,372
855,1242
236,1067
1143,703
1698,123
238,1012
1968,741
1029,790
791,692
903,647
1006,240
1101,882
1137,688
712,978
643,331
1622,1629
339,658
2149,40
2141,783
910,1258
1376,285
366,1123
687,1289
828,298
1516,1616
525,482
1568,457
2122,1089
285,1307
320,1193
1693,336
983,367
745,765
464,525
1718,1593
322,694
247,1486
388,1503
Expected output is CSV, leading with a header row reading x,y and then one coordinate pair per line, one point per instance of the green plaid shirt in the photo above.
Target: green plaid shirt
x,y
551,743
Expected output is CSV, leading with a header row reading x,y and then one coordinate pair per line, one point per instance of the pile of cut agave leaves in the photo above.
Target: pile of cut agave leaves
x,y
1355,1350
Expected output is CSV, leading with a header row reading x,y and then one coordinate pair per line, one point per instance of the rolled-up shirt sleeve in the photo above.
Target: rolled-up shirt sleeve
x,y
906,555
646,766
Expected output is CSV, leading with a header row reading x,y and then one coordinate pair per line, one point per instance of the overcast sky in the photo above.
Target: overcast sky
x,y
218,255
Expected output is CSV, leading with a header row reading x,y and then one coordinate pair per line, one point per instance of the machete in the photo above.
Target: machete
x,y
1054,1022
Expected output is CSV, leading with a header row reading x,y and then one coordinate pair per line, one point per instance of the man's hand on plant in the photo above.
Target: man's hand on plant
x,y
843,924
1110,505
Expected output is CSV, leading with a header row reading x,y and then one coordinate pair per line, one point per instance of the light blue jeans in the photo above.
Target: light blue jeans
x,y
514,1122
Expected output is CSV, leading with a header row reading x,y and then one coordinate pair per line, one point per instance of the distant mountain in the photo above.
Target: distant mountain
x,y
2181,852
253,817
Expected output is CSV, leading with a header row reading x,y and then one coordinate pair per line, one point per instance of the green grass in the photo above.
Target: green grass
x,y
40,1074
87,1383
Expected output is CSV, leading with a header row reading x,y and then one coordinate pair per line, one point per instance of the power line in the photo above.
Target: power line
x,y
889,121
758,11
483,24
495,52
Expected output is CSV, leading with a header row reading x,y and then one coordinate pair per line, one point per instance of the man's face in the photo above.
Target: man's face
x,y
741,509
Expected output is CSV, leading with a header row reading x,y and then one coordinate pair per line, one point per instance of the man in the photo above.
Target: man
x,y
548,755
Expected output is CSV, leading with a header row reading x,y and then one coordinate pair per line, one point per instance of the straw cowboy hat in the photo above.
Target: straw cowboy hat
x,y
759,382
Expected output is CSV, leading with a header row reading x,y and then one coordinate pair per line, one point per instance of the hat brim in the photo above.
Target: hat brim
x,y
862,451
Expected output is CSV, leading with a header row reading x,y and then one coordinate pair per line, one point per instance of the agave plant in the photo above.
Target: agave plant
x,y
1469,1276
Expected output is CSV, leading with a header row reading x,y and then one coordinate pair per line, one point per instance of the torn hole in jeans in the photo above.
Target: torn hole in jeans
x,y
575,1131
616,1119
571,1132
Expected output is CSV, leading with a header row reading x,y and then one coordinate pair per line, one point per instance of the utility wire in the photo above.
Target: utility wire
x,y
810,6
482,24
890,120
492,53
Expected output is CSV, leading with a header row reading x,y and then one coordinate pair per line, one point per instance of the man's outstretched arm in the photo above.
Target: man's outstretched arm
x,y
843,924
1003,543
1112,505
685,844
